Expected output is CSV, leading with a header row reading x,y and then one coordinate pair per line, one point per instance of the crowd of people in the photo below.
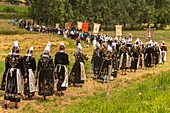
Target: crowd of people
x,y
120,54
109,56
72,33
18,79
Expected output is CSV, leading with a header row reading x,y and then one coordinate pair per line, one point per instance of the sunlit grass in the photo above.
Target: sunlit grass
x,y
149,96
8,29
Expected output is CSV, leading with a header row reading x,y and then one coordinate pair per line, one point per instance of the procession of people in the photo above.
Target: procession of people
x,y
109,57
121,54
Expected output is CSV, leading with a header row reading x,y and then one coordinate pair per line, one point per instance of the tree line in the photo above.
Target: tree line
x,y
105,12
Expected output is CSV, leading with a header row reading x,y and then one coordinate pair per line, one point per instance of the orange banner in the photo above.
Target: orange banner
x,y
85,27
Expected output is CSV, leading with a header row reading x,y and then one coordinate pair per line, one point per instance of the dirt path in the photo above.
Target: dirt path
x,y
76,94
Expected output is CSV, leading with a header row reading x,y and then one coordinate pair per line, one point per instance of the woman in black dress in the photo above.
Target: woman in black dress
x,y
61,69
45,78
14,76
30,68
78,71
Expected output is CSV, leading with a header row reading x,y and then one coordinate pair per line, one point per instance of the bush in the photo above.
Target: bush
x,y
9,9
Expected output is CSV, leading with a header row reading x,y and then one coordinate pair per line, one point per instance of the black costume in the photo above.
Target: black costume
x,y
148,56
45,76
78,71
30,68
61,70
135,57
96,62
163,52
14,78
124,55
141,61
156,55
104,67
3,83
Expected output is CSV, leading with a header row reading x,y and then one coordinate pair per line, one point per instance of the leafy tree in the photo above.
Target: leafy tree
x,y
57,11
102,11
161,11
105,12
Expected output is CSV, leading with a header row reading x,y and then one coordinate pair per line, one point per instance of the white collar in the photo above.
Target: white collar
x,y
45,55
14,53
61,51
28,55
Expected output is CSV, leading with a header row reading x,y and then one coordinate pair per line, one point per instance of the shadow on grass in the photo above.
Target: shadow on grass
x,y
11,105
75,85
40,99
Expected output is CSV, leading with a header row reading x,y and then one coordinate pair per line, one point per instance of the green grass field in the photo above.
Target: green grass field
x,y
146,91
150,96
16,8
8,11
9,29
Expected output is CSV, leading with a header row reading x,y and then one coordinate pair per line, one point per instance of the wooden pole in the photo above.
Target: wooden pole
x,y
108,83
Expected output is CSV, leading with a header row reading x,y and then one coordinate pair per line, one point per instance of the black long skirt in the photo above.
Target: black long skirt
x,y
134,64
75,76
148,60
104,68
46,82
12,92
96,65
60,76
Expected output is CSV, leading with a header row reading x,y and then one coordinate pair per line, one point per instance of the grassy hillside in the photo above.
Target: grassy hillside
x,y
143,91
17,11
6,28
16,8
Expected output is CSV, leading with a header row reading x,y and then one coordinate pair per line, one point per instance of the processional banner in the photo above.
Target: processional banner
x,y
68,25
119,30
85,27
57,25
79,25
149,33
96,28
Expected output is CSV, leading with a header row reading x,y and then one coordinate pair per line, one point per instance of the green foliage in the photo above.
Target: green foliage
x,y
105,12
47,11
